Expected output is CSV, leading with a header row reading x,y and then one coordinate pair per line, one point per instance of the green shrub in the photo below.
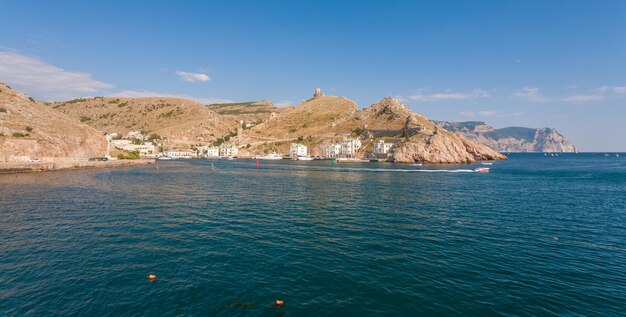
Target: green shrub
x,y
29,129
123,104
18,135
84,118
2,109
31,99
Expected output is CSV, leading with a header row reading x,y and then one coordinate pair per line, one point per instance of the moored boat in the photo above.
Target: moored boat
x,y
270,156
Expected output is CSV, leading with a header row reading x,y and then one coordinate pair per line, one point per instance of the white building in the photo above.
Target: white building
x,y
175,154
330,150
143,149
350,146
134,135
228,151
213,151
298,149
381,147
120,143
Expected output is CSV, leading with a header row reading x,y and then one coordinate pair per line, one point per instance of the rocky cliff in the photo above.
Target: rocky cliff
x,y
511,139
30,129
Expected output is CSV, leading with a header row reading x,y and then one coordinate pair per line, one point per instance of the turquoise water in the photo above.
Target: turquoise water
x,y
536,236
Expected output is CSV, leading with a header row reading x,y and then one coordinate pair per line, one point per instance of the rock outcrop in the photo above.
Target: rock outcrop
x,y
31,130
442,147
511,139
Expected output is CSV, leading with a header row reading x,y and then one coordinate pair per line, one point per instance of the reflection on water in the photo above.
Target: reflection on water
x,y
536,236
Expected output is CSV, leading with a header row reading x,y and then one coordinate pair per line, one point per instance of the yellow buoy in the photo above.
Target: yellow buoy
x,y
279,302
152,277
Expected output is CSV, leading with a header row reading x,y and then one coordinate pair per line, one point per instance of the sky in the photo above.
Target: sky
x,y
559,64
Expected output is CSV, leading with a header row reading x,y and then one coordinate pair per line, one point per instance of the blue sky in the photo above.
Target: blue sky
x,y
559,64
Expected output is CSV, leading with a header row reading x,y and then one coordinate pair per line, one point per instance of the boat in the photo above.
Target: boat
x,y
416,164
162,158
482,170
486,163
304,158
351,160
270,156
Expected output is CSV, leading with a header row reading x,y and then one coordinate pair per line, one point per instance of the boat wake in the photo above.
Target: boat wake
x,y
408,170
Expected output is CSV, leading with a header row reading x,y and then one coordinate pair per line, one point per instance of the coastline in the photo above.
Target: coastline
x,y
66,164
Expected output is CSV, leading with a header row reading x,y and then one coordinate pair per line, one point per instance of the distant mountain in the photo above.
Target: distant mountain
x,y
29,129
511,139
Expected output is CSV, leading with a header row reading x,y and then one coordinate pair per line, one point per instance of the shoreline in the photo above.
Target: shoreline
x,y
63,164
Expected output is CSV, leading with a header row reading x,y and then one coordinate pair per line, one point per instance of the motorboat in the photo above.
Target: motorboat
x,y
163,158
486,163
482,170
270,156
304,158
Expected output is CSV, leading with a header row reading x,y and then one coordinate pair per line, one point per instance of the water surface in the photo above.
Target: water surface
x,y
538,235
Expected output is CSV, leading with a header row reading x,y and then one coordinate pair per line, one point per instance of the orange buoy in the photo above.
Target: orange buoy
x,y
279,302
152,277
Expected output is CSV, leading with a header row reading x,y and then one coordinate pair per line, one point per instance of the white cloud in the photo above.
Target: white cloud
x,y
44,81
420,96
148,93
191,77
580,98
490,113
619,90
530,93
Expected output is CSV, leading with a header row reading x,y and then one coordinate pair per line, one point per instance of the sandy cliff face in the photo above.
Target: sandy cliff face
x,y
511,139
31,129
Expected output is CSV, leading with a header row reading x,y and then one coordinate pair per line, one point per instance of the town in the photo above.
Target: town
x,y
135,144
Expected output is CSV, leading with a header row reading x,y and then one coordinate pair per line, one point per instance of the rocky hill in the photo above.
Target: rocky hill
x,y
511,139
29,130
325,119
181,122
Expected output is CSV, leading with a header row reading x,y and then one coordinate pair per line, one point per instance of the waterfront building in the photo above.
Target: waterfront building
x,y
382,147
297,149
330,150
228,150
176,154
350,146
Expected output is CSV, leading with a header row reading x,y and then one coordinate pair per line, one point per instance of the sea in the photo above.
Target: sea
x,y
539,235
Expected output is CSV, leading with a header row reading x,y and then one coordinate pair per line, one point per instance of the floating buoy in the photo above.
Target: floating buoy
x,y
152,277
279,302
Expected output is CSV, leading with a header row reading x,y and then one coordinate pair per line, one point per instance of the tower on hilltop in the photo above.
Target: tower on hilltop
x,y
318,93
